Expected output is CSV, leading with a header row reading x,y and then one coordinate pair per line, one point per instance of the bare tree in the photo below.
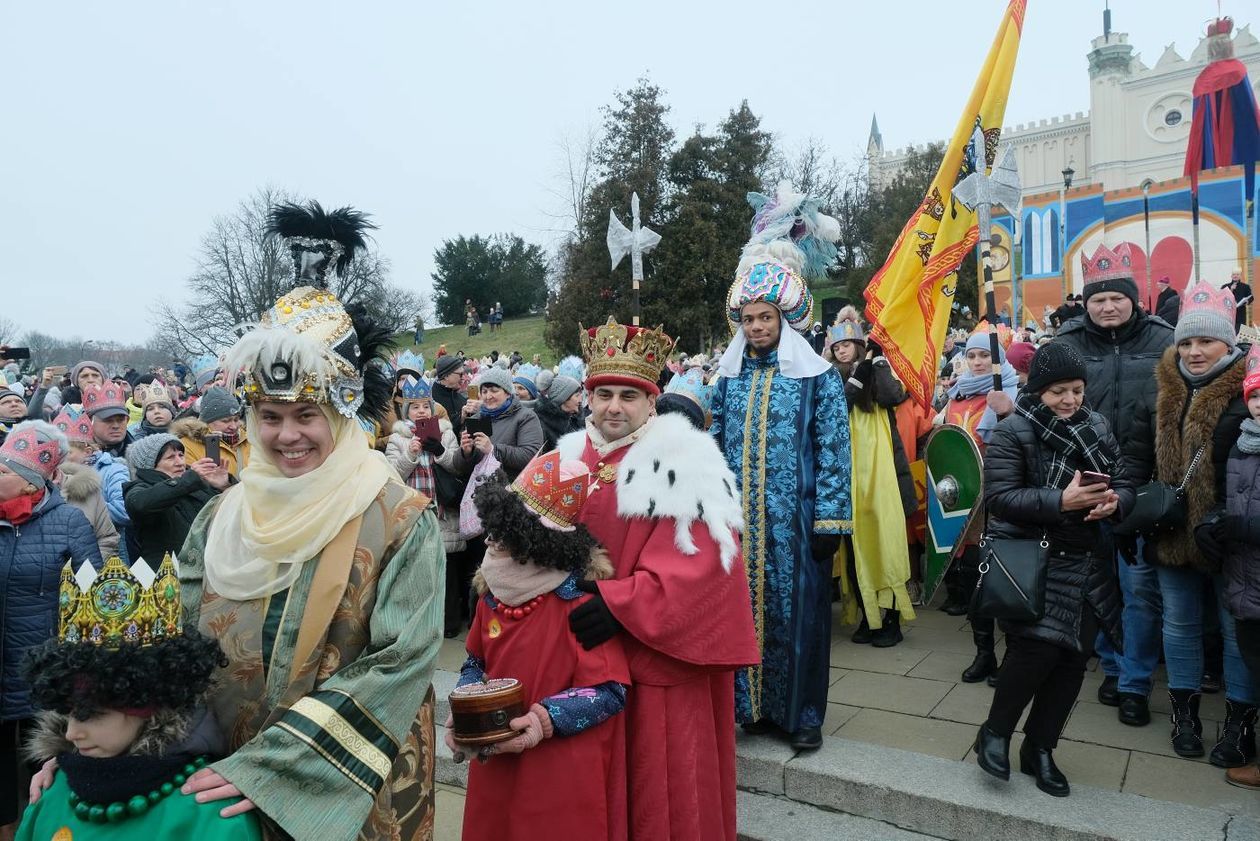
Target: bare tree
x,y
242,270
8,330
811,170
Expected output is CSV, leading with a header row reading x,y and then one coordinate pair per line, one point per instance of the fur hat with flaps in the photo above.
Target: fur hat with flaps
x,y
121,645
309,347
535,518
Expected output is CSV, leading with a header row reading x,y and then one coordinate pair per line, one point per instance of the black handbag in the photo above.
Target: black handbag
x,y
1012,581
1159,507
448,488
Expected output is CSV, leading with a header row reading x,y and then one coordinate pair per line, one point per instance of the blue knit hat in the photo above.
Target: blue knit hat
x,y
981,341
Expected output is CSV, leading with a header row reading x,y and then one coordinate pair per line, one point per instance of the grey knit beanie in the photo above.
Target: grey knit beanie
x,y
1206,323
218,403
496,376
145,453
87,363
559,389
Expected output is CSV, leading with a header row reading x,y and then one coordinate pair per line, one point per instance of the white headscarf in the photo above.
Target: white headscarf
x,y
269,525
797,359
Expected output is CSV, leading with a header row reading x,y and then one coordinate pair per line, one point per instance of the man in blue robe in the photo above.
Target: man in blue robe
x,y
781,419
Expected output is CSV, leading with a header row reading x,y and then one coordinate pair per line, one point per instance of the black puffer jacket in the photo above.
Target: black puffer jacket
x,y
1019,505
1119,364
556,423
162,510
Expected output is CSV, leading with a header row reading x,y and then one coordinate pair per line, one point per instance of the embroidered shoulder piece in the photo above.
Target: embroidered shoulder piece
x,y
678,471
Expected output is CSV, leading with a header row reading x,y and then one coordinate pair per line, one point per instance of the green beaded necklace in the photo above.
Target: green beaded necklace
x,y
119,811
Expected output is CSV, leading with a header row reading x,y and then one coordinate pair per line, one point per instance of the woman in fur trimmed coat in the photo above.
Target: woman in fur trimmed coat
x,y
81,487
1198,408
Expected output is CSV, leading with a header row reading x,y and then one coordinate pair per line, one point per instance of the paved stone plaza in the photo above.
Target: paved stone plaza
x,y
910,697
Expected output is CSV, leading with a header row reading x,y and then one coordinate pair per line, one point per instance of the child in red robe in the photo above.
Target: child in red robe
x,y
562,776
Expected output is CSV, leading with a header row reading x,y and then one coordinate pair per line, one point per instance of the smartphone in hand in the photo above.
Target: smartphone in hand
x,y
1088,478
212,440
474,425
428,428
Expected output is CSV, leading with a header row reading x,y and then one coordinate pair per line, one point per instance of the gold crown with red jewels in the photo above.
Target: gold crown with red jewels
x,y
119,604
622,354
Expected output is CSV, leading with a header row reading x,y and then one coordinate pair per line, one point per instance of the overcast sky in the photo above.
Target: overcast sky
x,y
128,126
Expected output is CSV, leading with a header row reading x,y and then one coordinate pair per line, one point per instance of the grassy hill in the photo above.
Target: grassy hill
x,y
523,334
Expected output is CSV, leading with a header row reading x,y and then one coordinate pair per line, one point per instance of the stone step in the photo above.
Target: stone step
x,y
955,800
763,817
875,789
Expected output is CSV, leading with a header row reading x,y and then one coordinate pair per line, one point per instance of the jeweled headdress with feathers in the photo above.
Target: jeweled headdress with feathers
x,y
309,347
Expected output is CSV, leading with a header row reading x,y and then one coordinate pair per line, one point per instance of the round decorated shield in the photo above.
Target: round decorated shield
x,y
955,493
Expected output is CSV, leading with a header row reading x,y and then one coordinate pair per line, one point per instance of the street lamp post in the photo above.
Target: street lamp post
x,y
1068,172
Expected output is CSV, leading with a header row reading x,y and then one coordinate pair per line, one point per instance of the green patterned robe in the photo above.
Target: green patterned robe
x,y
342,746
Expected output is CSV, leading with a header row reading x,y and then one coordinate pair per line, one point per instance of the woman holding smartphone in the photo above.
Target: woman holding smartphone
x,y
1035,487
502,426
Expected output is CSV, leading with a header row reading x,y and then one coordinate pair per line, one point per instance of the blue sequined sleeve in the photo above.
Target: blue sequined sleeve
x,y
473,671
581,708
833,506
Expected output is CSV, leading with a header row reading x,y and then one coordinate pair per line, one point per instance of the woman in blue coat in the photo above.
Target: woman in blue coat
x,y
39,532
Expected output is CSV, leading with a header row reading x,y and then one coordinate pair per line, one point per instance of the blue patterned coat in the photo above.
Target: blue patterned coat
x,y
787,442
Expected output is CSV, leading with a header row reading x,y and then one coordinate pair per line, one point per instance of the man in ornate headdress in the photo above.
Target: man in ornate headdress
x,y
781,419
664,505
320,573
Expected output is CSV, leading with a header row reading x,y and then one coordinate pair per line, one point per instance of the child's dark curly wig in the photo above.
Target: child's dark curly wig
x,y
508,522
81,679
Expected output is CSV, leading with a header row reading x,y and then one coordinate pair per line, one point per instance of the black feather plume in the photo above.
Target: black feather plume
x,y
374,339
345,225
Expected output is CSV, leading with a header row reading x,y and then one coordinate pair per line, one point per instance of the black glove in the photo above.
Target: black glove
x,y
1126,545
592,622
824,547
1207,535
863,371
1233,528
432,446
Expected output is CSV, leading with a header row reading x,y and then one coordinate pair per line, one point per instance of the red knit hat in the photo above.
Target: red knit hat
x,y
1252,380
1020,355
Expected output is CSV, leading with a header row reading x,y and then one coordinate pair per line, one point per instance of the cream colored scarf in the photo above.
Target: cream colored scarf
x,y
269,525
513,582
604,447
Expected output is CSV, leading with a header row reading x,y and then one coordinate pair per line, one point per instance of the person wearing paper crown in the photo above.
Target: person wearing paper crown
x,y
124,723
874,561
536,554
664,504
1183,435
320,573
402,365
781,421
38,532
79,482
157,408
1121,345
688,393
1239,530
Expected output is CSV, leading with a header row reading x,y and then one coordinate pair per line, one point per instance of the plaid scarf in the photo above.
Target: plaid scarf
x,y
422,477
1074,443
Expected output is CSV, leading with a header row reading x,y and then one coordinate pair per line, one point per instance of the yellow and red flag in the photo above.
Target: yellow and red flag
x,y
908,300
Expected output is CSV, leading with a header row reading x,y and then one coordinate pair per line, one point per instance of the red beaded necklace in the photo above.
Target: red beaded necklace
x,y
521,611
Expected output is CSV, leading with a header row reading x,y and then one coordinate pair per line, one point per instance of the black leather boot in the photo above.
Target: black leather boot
x,y
890,634
993,752
1039,762
985,663
1187,730
1237,746
862,635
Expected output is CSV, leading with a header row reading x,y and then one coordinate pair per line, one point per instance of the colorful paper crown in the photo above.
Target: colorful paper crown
x,y
108,395
407,362
528,371
32,451
1204,297
154,392
690,383
572,367
118,605
204,368
1107,264
554,490
619,354
305,350
845,331
75,425
414,388
1251,381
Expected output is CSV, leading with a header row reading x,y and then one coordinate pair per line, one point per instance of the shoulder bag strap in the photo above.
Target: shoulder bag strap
x,y
1194,463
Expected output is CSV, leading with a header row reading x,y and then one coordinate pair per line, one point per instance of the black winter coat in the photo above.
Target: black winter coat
x,y
1119,364
1242,555
1020,505
556,423
162,510
453,401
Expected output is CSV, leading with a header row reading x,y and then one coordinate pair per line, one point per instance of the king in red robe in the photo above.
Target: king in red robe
x,y
664,505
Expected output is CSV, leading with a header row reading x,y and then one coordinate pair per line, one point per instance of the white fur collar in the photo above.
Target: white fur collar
x,y
676,471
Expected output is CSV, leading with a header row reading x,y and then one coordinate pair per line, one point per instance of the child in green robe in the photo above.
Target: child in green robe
x,y
123,724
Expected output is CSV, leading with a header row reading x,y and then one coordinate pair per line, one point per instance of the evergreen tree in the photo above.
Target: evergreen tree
x,y
503,269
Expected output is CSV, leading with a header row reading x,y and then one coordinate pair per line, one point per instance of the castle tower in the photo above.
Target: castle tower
x,y
875,143
1111,61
